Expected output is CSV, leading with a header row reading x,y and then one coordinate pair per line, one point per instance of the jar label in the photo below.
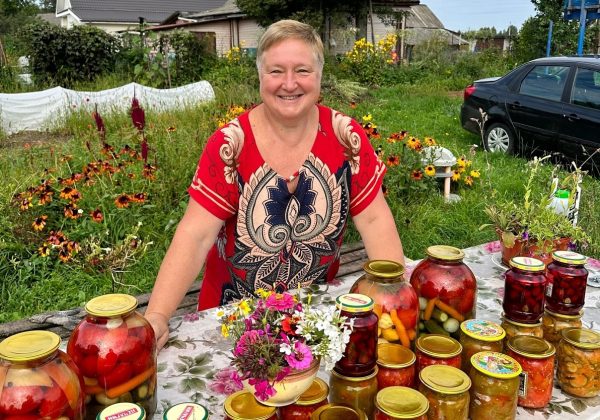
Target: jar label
x,y
523,384
496,364
549,289
480,328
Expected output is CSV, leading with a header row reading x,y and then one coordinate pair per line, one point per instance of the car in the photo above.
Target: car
x,y
549,103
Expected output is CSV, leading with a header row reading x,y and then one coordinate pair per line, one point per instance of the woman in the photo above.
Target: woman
x,y
274,188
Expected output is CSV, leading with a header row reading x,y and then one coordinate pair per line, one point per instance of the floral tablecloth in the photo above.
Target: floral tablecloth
x,y
194,366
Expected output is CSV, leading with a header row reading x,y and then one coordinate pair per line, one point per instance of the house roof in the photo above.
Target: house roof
x,y
153,11
421,16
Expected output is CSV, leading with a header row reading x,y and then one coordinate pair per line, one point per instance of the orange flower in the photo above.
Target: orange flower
x,y
44,250
56,238
122,201
430,170
66,192
75,196
414,143
64,254
45,197
25,204
353,105
469,180
417,175
72,212
138,197
39,223
392,161
97,216
149,172
171,129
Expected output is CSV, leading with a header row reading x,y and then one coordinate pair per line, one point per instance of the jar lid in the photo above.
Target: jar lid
x,y
401,402
531,347
385,269
437,345
445,379
569,257
521,324
336,411
186,411
496,365
111,305
395,356
483,330
445,252
527,264
242,405
562,316
354,302
582,338
316,393
29,345
122,411
356,378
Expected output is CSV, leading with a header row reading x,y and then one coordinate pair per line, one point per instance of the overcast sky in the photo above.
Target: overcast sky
x,y
462,15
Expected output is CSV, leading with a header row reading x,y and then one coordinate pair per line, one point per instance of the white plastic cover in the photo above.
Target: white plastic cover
x,y
45,109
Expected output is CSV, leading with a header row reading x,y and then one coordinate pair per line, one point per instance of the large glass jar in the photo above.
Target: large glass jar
x,y
115,350
186,410
495,386
432,349
566,283
447,291
524,290
37,379
399,402
553,324
536,357
313,398
242,405
356,392
122,411
360,355
395,301
447,390
479,335
578,356
396,366
338,411
513,328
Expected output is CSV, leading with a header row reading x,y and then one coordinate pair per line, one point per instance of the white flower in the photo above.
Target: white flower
x,y
285,348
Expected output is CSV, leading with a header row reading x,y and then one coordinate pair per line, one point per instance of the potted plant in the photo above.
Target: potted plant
x,y
530,227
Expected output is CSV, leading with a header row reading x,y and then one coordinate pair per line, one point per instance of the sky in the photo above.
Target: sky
x,y
463,15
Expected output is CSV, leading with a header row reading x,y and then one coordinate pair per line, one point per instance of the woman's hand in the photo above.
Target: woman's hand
x,y
160,325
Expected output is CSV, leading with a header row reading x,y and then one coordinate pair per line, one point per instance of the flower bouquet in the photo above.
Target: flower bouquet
x,y
279,343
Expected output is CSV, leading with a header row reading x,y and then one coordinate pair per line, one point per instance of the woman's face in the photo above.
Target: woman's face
x,y
290,79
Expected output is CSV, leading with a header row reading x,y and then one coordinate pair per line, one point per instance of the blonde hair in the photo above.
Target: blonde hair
x,y
290,29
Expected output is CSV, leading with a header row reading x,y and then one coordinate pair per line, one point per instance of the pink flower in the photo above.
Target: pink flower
x,y
262,388
280,301
191,317
246,340
226,382
492,247
593,263
301,357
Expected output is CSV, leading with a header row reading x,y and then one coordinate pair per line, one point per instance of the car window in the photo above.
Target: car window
x,y
545,82
586,88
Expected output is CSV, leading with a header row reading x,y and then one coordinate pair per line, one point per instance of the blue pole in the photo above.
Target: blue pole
x,y
582,19
549,43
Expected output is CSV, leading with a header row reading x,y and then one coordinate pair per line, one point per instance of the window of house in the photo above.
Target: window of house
x,y
545,82
586,88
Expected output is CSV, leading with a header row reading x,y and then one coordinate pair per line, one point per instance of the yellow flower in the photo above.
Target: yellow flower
x,y
220,313
461,162
224,330
469,181
429,141
455,175
367,118
244,307
475,173
263,294
414,143
430,170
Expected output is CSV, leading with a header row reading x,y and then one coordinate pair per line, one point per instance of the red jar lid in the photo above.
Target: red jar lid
x,y
527,264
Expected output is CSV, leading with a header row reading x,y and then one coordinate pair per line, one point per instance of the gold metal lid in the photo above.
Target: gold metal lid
x,y
438,345
29,345
394,356
111,305
354,302
582,338
186,411
521,324
532,347
445,379
483,330
496,365
355,378
242,405
569,257
122,411
527,264
401,402
336,411
445,252
316,393
561,316
384,269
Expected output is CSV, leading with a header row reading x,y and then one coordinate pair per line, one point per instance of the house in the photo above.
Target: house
x,y
498,42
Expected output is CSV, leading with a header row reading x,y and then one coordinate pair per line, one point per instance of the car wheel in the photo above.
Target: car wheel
x,y
499,138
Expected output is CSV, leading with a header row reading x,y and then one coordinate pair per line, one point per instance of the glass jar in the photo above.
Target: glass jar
x,y
360,355
578,371
399,402
447,390
447,291
186,411
513,328
566,283
242,405
479,335
553,324
396,366
114,348
338,411
433,349
524,290
356,392
495,386
37,379
122,411
313,398
536,357
395,301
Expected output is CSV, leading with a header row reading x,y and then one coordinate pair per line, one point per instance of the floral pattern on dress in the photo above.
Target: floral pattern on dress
x,y
350,139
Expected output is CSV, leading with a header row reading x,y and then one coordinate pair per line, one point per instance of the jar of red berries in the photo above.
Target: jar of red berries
x,y
566,278
524,290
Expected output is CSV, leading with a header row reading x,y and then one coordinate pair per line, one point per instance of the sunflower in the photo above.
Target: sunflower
x,y
97,216
416,175
430,170
122,201
455,175
39,223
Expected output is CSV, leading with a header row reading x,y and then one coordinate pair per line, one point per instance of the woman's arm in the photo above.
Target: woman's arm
x,y
195,235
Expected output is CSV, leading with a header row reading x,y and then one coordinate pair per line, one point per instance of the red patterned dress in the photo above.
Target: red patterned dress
x,y
271,238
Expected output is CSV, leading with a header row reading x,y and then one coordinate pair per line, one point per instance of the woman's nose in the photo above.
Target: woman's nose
x,y
290,81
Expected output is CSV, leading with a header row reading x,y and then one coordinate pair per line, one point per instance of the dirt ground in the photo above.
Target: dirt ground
x,y
32,138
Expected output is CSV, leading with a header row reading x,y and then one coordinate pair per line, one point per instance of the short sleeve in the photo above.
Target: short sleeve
x,y
214,185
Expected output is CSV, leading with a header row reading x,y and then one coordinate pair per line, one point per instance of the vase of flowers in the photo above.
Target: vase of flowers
x,y
279,342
